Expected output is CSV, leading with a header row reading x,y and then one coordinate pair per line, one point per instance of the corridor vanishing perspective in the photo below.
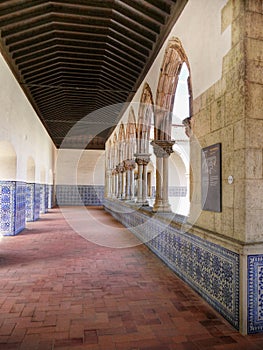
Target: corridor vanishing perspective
x,y
131,174
61,291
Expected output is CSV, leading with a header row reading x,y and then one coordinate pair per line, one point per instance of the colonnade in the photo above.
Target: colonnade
x,y
120,176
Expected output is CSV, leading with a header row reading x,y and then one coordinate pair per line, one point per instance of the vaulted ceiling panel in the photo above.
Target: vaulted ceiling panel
x,y
79,61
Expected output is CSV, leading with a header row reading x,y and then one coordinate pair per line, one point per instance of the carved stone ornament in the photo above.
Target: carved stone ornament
x,y
129,164
142,159
188,127
120,168
162,148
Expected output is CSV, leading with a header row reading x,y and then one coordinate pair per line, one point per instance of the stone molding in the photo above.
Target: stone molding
x,y
162,148
129,164
142,159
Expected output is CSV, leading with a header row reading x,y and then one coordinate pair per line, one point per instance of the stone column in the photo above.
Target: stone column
x,y
129,165
123,192
159,153
108,183
119,170
142,160
116,182
113,183
162,150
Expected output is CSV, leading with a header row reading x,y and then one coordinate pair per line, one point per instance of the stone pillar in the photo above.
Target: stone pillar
x,y
159,170
121,185
129,165
116,182
108,183
113,183
162,150
123,192
142,160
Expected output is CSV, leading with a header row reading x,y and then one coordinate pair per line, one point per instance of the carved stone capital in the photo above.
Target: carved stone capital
x,y
188,126
129,164
162,148
120,167
142,159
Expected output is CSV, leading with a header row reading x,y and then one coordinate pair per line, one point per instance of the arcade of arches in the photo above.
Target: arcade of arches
x,y
183,167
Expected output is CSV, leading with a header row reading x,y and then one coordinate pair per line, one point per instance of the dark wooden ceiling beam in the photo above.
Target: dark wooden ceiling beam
x,y
60,43
50,58
63,68
58,61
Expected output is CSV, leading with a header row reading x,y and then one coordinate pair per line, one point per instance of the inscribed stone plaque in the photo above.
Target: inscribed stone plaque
x,y
211,178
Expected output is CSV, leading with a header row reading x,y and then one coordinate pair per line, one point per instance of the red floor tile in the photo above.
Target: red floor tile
x,y
60,290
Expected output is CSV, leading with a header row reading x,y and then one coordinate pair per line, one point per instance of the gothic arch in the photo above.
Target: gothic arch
x,y
121,143
131,134
173,60
115,151
146,111
8,160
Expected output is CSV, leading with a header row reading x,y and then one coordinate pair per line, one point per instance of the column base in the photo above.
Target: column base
x,y
162,207
142,203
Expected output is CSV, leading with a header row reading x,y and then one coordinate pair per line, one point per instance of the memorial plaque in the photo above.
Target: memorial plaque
x,y
211,178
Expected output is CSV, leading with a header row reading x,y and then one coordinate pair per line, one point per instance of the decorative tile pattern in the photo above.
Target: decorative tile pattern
x,y
7,200
79,195
37,202
43,198
177,191
255,294
12,214
209,269
46,197
32,201
50,197
30,191
20,206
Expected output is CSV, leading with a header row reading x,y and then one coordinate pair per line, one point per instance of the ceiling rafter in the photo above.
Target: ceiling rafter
x,y
83,60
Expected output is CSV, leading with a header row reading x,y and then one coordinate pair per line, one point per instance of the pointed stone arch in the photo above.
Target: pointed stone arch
x,y
131,134
174,57
121,143
146,110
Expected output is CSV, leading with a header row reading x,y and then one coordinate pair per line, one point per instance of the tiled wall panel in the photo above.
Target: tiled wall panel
x,y
20,206
37,202
50,197
177,191
42,198
209,269
79,195
12,200
255,294
32,201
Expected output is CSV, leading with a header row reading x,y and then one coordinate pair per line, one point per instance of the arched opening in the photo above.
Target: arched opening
x,y
12,199
181,158
145,121
32,192
172,116
8,160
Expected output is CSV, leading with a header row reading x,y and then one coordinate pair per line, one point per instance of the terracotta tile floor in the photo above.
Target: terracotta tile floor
x,y
61,291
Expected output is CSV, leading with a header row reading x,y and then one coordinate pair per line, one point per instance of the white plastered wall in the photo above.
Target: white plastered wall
x,y
22,129
80,167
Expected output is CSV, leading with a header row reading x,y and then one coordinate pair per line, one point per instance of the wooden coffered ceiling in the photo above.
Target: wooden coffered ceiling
x,y
79,61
